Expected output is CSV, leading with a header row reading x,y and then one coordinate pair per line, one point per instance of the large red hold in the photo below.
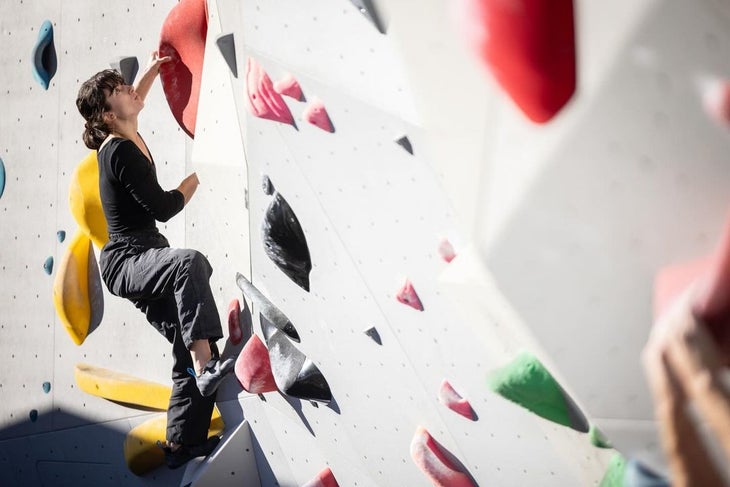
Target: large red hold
x,y
529,46
253,367
183,38
429,456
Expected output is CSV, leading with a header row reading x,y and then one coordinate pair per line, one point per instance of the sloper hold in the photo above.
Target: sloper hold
x,y
267,308
84,200
61,235
324,478
367,8
453,400
529,45
405,143
128,66
407,295
235,334
44,56
2,177
316,114
289,86
183,38
446,250
253,367
48,265
263,100
284,241
227,46
598,439
294,373
436,463
121,387
525,381
372,332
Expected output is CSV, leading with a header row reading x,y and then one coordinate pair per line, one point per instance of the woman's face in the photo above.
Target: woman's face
x,y
124,102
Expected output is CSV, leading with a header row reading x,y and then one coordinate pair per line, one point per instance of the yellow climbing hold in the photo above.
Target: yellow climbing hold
x,y
120,387
71,295
85,201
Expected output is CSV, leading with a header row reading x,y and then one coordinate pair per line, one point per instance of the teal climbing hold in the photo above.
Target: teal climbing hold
x,y
2,178
44,56
527,382
46,387
598,438
48,265
614,476
61,235
34,415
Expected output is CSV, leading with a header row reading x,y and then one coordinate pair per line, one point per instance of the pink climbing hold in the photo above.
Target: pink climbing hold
x,y
263,100
407,295
316,114
235,334
325,478
672,280
716,99
289,86
253,367
435,462
451,399
446,250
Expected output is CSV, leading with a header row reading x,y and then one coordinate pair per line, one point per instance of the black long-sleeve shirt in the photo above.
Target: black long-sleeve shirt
x,y
131,197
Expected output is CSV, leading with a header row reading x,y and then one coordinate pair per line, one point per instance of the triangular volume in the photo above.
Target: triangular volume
x,y
128,67
295,374
405,143
263,100
325,478
530,49
227,46
44,59
451,399
253,367
289,86
316,114
407,295
235,334
367,8
437,463
267,309
527,382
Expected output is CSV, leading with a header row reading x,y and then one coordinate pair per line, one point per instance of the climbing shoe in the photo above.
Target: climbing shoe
x,y
213,374
181,456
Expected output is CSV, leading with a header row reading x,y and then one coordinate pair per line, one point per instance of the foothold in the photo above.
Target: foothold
x,y
325,478
263,100
84,200
285,243
614,476
227,46
436,462
46,387
44,55
446,250
235,334
529,45
405,143
372,332
33,415
598,439
2,177
527,382
253,367
367,8
289,86
316,114
294,373
61,235
314,404
407,295
266,308
453,400
48,266
128,66
120,387
262,397
267,185
183,38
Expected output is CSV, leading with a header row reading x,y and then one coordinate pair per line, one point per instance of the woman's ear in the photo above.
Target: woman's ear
x,y
109,117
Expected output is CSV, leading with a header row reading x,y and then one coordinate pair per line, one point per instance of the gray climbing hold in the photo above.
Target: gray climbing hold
x,y
405,143
34,415
48,265
46,387
227,47
266,308
127,66
267,185
61,235
368,9
372,332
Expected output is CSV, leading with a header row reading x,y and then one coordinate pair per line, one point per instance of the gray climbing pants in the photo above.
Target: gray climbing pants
x,y
170,286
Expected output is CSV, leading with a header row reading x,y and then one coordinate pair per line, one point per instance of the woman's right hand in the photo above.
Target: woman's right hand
x,y
188,186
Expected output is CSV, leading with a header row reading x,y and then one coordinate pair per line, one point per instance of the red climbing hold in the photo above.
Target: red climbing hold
x,y
289,86
325,478
451,399
235,334
253,367
263,100
407,295
183,38
316,114
672,280
446,250
530,47
716,98
435,462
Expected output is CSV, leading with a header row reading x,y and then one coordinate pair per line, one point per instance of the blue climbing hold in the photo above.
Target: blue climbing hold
x,y
46,387
34,415
2,178
61,235
44,56
48,265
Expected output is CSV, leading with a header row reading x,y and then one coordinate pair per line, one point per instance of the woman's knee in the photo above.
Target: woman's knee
x,y
196,261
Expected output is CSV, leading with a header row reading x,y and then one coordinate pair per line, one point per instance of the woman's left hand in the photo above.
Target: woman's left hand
x,y
155,61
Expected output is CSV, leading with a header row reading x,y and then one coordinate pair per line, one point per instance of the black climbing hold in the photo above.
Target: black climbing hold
x,y
267,185
372,332
45,62
405,143
368,9
128,66
34,415
285,243
294,373
266,308
227,47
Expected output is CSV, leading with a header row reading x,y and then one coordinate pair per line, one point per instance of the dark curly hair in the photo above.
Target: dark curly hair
x,y
91,102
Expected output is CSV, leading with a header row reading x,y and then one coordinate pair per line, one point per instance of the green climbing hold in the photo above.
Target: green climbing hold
x,y
598,438
527,382
614,476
